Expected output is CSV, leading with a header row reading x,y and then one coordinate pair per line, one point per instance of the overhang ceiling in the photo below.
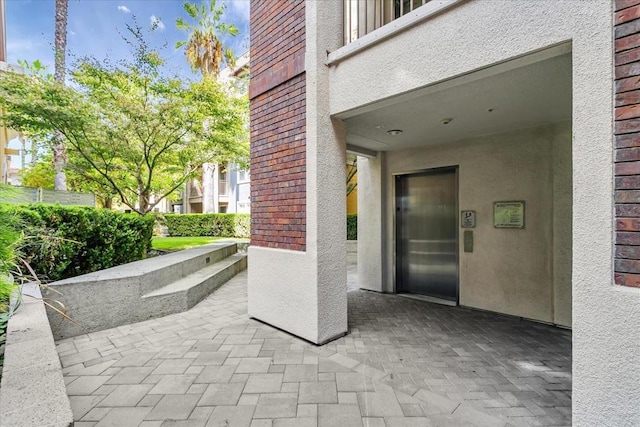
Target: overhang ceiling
x,y
522,97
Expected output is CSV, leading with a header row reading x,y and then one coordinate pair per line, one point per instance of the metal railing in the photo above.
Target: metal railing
x,y
364,16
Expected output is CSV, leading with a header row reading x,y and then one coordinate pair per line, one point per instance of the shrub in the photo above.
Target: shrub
x,y
9,238
71,240
352,227
217,225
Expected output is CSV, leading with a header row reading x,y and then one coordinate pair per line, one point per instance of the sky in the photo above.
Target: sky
x,y
93,29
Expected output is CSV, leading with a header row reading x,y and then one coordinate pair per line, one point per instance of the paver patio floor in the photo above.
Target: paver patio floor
x,y
403,363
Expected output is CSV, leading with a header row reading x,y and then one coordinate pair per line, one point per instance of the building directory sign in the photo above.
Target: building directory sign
x,y
508,214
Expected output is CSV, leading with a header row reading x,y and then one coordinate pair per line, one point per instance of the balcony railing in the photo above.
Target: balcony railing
x,y
364,16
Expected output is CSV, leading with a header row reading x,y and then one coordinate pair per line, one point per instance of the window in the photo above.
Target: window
x,y
243,175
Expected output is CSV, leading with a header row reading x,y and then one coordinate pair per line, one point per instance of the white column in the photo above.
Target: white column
x,y
370,223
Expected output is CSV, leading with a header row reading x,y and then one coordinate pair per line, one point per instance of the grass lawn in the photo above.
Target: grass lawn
x,y
179,243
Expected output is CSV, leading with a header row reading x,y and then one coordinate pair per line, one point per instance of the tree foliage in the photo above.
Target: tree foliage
x,y
129,129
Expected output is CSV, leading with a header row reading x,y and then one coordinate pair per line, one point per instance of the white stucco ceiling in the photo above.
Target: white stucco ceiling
x,y
522,97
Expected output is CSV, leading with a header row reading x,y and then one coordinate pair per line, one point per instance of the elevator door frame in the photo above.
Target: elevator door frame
x,y
397,266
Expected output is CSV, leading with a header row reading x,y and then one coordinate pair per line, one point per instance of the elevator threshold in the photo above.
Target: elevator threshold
x,y
429,299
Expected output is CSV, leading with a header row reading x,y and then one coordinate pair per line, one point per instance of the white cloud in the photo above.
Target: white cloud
x,y
72,33
124,9
156,21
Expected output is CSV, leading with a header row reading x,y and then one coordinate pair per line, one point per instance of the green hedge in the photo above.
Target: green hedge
x,y
66,241
352,227
217,225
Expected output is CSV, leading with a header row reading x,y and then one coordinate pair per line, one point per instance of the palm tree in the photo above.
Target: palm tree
x,y
204,49
59,151
206,53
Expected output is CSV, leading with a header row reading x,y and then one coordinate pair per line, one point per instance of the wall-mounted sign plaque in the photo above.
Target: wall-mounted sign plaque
x,y
508,214
468,219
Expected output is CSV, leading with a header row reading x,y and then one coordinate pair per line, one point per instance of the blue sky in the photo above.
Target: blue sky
x,y
93,27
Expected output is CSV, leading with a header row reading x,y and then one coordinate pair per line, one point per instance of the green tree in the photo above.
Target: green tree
x,y
133,131
40,174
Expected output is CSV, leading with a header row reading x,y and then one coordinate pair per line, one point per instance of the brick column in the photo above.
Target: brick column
x,y
278,124
298,271
627,137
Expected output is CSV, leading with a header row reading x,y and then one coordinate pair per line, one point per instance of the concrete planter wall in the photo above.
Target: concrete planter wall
x,y
32,392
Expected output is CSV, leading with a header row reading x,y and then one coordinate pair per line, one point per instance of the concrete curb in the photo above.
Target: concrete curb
x,y
32,392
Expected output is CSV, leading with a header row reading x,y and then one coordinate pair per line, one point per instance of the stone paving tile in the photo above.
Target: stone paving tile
x,y
264,383
96,414
173,406
379,404
318,392
254,365
300,373
339,415
118,417
277,405
130,375
173,384
404,363
295,422
222,394
126,395
227,416
85,385
80,405
215,374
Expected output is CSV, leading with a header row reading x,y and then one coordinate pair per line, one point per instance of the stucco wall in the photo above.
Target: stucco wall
x,y
470,36
510,271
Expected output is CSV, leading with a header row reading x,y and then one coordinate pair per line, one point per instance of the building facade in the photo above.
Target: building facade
x,y
230,191
510,125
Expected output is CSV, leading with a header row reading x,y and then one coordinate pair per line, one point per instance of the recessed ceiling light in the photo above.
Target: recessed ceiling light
x,y
394,132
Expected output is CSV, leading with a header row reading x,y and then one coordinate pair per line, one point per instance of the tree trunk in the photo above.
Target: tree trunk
x,y
208,188
59,151
143,202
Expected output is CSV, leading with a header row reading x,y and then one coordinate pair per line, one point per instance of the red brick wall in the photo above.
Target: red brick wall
x,y
278,123
627,140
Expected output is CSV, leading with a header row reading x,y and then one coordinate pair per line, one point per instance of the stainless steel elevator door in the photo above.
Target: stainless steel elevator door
x,y
427,234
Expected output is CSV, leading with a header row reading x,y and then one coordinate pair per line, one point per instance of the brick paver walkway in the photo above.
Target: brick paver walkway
x,y
404,363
